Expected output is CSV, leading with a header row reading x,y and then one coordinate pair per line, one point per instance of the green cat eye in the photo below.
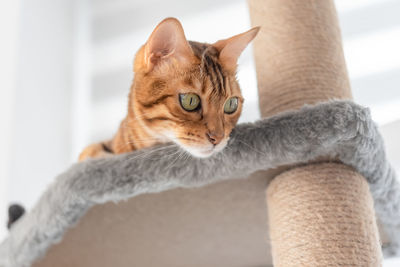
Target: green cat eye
x,y
189,102
231,105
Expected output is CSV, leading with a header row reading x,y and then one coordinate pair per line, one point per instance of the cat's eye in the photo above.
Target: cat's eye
x,y
189,102
231,105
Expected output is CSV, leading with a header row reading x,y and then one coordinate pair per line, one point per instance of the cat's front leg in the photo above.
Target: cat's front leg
x,y
98,150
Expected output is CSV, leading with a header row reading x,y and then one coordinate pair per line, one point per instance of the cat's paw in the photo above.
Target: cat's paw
x,y
94,151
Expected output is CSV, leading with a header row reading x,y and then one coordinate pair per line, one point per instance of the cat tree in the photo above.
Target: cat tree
x,y
319,214
299,60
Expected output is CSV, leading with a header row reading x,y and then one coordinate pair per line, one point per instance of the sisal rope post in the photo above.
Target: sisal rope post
x,y
320,214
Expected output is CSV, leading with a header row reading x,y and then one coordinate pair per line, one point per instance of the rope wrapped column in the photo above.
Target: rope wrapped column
x,y
320,214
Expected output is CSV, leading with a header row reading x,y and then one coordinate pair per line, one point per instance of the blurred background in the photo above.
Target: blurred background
x,y
66,69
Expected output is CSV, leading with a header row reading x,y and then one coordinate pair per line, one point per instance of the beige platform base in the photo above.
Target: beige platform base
x,y
222,225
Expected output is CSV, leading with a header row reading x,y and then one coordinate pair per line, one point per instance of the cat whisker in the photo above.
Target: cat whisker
x,y
174,159
251,147
151,151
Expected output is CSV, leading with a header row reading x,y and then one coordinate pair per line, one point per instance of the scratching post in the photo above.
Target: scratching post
x,y
320,214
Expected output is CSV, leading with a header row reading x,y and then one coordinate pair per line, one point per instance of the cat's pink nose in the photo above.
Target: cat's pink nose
x,y
214,138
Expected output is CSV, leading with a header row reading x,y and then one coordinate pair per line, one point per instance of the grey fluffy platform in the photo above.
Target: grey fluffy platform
x,y
338,128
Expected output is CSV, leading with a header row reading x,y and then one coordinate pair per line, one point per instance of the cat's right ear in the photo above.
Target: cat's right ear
x,y
166,44
231,48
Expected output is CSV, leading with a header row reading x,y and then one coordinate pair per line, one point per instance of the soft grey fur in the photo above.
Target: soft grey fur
x,y
340,129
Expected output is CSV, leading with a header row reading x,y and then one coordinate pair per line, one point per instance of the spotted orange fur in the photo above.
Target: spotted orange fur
x,y
166,68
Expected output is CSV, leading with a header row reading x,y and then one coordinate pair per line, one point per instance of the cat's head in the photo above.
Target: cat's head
x,y
187,92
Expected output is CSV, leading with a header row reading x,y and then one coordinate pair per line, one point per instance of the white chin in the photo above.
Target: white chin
x,y
204,152
200,153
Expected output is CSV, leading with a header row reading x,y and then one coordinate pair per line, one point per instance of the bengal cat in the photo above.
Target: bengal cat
x,y
183,91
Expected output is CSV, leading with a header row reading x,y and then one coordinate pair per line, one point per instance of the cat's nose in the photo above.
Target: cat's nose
x,y
214,138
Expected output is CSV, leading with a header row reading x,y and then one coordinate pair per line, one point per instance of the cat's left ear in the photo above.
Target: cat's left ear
x,y
231,48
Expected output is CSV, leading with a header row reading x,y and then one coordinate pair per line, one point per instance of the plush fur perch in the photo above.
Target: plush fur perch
x,y
339,129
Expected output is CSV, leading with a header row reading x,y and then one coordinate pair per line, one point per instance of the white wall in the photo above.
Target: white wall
x,y
9,23
41,114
